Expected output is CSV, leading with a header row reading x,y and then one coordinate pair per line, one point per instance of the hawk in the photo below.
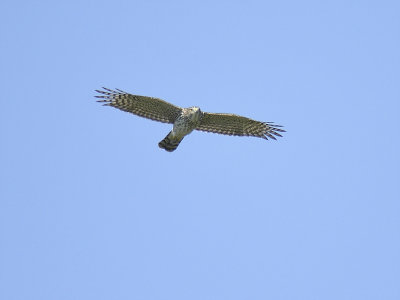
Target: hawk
x,y
185,120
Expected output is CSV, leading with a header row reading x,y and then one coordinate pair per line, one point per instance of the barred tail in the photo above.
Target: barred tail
x,y
170,143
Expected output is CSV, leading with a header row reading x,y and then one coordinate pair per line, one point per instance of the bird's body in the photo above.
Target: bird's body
x,y
185,120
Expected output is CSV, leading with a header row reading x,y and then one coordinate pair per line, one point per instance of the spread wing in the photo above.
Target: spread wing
x,y
230,124
147,107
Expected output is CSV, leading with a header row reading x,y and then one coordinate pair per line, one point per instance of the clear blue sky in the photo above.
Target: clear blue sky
x,y
91,208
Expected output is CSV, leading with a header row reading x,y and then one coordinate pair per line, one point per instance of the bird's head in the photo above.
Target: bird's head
x,y
196,113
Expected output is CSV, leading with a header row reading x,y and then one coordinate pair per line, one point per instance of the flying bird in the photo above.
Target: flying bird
x,y
185,120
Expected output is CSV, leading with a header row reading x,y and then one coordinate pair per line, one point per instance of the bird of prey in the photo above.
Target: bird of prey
x,y
185,120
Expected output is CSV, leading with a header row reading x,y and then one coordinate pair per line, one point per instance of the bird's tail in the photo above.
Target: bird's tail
x,y
170,142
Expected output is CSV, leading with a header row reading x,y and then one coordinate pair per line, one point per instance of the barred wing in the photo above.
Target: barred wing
x,y
143,106
230,124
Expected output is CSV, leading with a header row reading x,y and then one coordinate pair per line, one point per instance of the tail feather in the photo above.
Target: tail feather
x,y
170,143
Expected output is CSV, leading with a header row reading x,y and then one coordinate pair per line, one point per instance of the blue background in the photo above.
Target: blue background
x,y
91,208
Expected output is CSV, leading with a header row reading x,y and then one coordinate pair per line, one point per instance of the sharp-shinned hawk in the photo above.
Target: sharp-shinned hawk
x,y
185,120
